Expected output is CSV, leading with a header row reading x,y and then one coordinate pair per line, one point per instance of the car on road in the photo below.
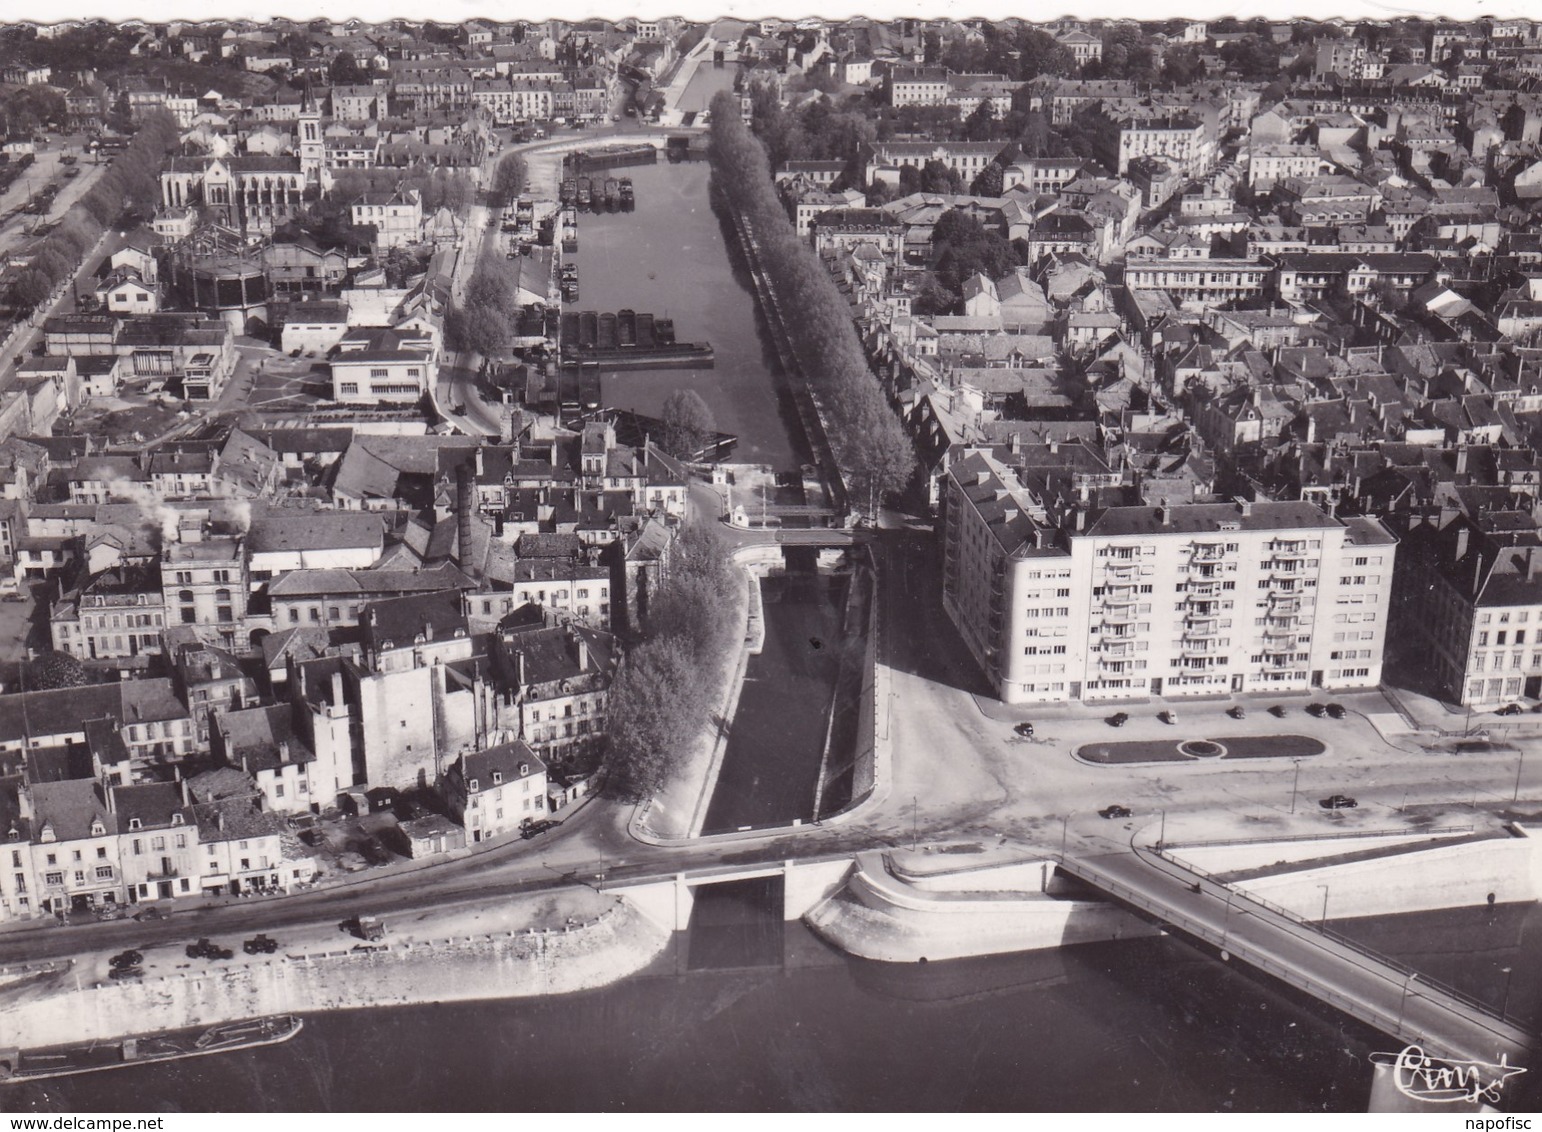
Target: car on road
x,y
1278,711
1237,711
1024,729
1316,711
1335,711
205,949
1168,716
534,827
1510,709
1118,719
367,928
126,973
1115,812
1338,802
151,913
260,944
129,958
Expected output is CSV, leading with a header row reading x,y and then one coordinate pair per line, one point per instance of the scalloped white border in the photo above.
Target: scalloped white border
x,y
453,11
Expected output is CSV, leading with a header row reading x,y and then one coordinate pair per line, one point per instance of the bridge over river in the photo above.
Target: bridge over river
x,y
1377,991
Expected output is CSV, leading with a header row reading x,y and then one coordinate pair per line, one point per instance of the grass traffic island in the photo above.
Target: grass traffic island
x,y
1200,750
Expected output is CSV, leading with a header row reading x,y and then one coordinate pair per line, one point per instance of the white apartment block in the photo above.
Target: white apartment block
x,y
1131,602
1182,141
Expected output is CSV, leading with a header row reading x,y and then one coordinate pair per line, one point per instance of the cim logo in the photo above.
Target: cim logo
x,y
1432,1080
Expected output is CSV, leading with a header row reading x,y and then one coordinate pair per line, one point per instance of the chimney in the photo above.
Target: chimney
x,y
480,472
428,630
519,668
463,505
1245,507
1461,542
506,425
583,652
219,820
1461,460
337,688
1164,513
283,750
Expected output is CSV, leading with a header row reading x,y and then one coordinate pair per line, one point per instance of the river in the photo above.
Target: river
x,y
669,257
1141,1025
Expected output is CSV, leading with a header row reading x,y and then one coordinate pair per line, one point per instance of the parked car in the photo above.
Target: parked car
x,y
1335,711
1118,719
150,913
1315,710
1338,802
375,852
1510,709
1115,812
129,958
126,973
534,827
1237,711
1168,716
1025,730
205,949
368,928
260,944
1278,711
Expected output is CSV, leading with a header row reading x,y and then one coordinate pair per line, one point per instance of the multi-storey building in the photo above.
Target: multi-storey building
x,y
205,583
1469,608
909,85
491,792
1188,599
1206,281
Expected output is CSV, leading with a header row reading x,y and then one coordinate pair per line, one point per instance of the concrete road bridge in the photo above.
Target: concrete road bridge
x,y
1377,991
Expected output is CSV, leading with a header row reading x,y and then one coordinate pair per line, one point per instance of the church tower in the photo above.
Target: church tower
x,y
312,148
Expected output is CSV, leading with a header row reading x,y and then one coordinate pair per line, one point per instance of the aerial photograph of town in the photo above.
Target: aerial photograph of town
x,y
761,565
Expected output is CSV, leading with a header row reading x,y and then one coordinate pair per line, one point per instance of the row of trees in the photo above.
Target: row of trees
x,y
508,181
132,183
875,455
484,322
661,701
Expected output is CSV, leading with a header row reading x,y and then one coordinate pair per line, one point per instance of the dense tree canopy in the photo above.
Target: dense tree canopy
x,y
873,452
688,423
659,705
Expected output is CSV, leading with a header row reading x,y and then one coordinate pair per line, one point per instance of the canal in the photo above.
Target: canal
x,y
771,763
760,1016
669,256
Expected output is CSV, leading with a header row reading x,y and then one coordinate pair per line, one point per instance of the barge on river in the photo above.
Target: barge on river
x,y
628,340
142,1049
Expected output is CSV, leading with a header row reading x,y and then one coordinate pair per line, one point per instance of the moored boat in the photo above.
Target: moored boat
x,y
142,1049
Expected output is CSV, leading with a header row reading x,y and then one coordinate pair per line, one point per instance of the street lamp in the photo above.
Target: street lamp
x,y
1519,764
1504,1007
1322,925
1065,825
1294,783
1411,977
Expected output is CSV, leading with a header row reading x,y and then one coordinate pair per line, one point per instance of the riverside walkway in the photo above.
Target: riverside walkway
x,y
1377,991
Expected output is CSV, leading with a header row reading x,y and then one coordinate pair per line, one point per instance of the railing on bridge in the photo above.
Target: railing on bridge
x,y
1319,928
1357,1007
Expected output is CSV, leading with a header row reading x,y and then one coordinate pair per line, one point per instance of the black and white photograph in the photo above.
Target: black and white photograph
x,y
736,562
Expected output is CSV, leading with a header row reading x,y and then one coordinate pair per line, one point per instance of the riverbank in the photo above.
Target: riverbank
x,y
555,943
964,901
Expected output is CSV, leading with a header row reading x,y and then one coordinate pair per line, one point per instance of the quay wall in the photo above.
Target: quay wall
x,y
1451,876
611,945
1223,857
